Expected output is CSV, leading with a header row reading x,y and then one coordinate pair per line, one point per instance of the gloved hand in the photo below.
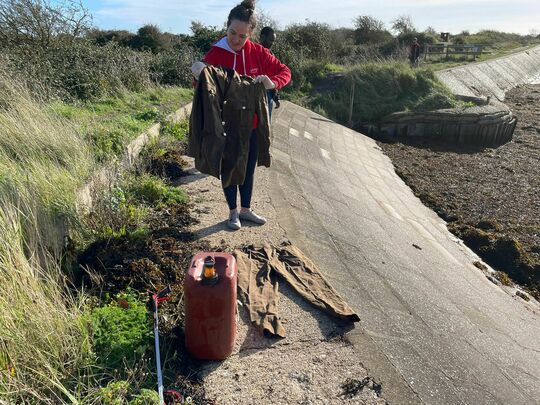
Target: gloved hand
x,y
196,69
268,84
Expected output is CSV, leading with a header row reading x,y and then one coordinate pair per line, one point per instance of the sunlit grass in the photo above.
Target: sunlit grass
x,y
110,123
43,344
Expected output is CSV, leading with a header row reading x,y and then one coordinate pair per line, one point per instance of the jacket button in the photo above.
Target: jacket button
x,y
222,122
225,102
243,107
224,133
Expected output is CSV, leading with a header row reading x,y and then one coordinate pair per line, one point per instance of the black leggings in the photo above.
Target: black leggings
x,y
246,189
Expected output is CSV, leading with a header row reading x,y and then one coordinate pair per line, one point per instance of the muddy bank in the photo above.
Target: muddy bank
x,y
489,197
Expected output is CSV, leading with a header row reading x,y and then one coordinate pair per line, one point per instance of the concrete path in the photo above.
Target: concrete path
x,y
434,329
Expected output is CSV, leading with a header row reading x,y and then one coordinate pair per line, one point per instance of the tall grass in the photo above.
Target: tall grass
x,y
43,343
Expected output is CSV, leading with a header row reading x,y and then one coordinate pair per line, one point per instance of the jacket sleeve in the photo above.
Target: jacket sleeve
x,y
278,72
263,127
196,120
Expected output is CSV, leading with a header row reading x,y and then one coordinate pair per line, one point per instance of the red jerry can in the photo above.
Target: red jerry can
x,y
210,304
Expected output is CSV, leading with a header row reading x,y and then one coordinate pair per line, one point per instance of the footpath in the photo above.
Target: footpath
x,y
434,329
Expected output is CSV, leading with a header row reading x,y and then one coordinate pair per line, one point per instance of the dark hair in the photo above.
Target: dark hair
x,y
267,31
244,12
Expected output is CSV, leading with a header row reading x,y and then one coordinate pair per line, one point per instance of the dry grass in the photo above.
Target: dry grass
x,y
44,344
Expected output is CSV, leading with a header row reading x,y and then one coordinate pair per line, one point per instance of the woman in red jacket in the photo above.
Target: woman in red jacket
x,y
236,51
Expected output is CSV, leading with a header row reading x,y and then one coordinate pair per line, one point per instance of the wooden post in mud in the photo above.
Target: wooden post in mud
x,y
351,105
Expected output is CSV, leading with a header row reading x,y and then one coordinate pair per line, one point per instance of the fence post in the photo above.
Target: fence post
x,y
351,105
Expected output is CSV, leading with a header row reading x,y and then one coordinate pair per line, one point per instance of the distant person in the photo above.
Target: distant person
x,y
414,52
267,38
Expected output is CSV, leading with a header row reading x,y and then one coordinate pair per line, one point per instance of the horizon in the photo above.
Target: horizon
x,y
521,17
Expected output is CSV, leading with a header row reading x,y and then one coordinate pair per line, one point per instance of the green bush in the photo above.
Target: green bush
x,y
173,67
83,70
434,101
123,393
121,331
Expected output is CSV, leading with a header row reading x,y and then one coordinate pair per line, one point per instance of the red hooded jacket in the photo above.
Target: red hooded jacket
x,y
252,60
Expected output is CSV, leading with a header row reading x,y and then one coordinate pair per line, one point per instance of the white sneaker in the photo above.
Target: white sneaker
x,y
233,222
252,217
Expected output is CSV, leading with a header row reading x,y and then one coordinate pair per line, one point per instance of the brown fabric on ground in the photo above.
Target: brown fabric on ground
x,y
258,268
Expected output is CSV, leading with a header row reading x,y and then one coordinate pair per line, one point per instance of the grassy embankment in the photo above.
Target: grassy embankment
x,y
53,340
379,89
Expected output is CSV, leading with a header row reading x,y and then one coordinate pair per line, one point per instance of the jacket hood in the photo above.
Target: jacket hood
x,y
224,44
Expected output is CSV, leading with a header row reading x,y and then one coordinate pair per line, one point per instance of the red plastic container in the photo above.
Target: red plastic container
x,y
210,326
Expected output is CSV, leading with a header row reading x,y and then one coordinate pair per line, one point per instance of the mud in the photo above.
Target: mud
x,y
170,165
489,197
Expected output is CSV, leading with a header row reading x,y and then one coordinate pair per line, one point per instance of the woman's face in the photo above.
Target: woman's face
x,y
238,33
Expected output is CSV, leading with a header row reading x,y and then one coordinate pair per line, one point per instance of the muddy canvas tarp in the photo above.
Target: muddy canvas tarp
x,y
260,267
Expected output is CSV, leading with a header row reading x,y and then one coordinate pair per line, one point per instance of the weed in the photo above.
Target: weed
x,y
152,190
151,114
503,278
145,397
120,331
177,130
107,143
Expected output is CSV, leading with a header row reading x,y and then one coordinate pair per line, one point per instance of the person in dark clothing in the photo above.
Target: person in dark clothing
x,y
236,51
414,52
267,39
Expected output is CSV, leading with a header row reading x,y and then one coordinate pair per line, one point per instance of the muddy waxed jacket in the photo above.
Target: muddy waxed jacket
x,y
221,123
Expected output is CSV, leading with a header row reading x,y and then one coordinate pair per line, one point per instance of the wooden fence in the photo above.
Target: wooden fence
x,y
447,50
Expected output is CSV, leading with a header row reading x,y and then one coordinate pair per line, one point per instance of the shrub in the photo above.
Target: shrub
x,y
121,331
173,67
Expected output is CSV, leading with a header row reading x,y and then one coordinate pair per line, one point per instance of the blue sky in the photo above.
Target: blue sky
x,y
521,16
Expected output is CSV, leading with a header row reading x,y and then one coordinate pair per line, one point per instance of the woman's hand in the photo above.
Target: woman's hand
x,y
196,69
265,80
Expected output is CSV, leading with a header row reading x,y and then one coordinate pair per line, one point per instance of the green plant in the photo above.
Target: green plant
x,y
177,130
120,331
107,143
151,114
152,190
145,397
115,393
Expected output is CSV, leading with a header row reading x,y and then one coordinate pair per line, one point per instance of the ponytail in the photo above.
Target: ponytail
x,y
244,12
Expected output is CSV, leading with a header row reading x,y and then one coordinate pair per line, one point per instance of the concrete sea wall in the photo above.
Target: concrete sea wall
x,y
494,77
490,123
